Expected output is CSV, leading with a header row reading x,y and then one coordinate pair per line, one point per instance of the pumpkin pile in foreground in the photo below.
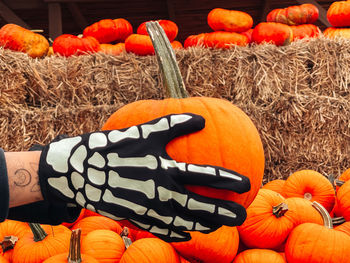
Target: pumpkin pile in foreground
x,y
289,227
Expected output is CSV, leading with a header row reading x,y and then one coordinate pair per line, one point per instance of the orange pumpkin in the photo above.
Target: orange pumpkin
x,y
43,242
222,39
275,185
104,245
194,40
305,31
150,250
259,255
220,19
91,223
169,27
15,230
139,44
345,176
111,49
69,45
332,32
338,14
343,201
17,38
176,44
74,254
248,34
109,30
218,246
310,185
274,33
238,149
294,15
314,243
4,260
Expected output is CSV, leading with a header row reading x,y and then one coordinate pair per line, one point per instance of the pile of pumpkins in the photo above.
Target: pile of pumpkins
x,y
230,27
289,220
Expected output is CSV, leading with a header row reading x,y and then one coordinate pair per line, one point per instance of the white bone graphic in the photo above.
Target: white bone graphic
x,y
196,205
161,125
80,199
179,221
199,227
158,230
59,152
154,214
117,136
97,139
166,195
110,198
144,226
97,160
149,161
104,213
61,184
77,180
226,212
181,118
78,158
229,175
93,193
166,164
90,207
200,169
95,176
145,187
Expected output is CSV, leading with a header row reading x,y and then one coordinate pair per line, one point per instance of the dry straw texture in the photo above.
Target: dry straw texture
x,y
297,96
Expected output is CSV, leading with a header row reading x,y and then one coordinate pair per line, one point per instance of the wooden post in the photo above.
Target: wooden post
x,y
77,15
55,20
10,17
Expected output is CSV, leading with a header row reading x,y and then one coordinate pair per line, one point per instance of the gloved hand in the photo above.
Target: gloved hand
x,y
127,174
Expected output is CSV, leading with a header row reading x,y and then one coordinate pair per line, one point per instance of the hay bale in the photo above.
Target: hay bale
x,y
297,96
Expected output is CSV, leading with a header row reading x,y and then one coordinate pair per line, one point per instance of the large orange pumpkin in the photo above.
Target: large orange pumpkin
x,y
294,15
169,27
17,38
229,139
333,32
139,44
69,45
259,255
222,39
338,14
272,32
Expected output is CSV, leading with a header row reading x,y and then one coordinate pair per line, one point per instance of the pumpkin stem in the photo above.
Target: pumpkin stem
x,y
308,196
167,61
8,243
38,232
338,220
279,210
74,255
327,220
124,234
338,182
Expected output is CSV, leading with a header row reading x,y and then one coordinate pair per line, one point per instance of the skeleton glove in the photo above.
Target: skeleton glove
x,y
127,174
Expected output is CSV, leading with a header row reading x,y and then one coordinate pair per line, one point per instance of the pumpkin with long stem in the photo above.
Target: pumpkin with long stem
x,y
74,255
42,242
229,139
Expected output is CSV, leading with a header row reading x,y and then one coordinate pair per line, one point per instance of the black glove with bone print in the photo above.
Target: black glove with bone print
x,y
127,174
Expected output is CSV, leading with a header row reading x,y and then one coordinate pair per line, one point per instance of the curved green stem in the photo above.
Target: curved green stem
x,y
167,61
327,220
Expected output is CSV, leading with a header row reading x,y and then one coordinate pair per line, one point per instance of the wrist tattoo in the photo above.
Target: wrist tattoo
x,y
22,177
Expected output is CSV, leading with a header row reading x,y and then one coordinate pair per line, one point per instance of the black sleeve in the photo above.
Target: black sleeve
x,y
4,188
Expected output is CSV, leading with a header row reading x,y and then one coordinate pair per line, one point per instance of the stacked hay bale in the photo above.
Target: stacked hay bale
x,y
297,95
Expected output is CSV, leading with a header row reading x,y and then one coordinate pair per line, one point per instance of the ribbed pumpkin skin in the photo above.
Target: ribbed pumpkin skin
x,y
271,32
338,14
259,255
104,245
91,223
312,243
62,258
305,182
69,45
345,176
194,40
150,250
222,39
275,185
301,211
4,260
12,228
343,200
294,15
29,251
345,227
111,49
170,29
139,44
332,32
218,246
17,38
304,31
229,139
220,19
262,229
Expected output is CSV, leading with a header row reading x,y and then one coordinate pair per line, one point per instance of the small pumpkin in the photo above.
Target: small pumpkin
x,y
338,14
176,44
311,185
259,255
294,15
275,185
344,227
194,40
69,45
314,243
305,31
74,255
274,33
170,28
150,250
139,44
17,38
248,34
220,19
112,49
42,242
104,245
222,39
109,30
218,246
345,176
